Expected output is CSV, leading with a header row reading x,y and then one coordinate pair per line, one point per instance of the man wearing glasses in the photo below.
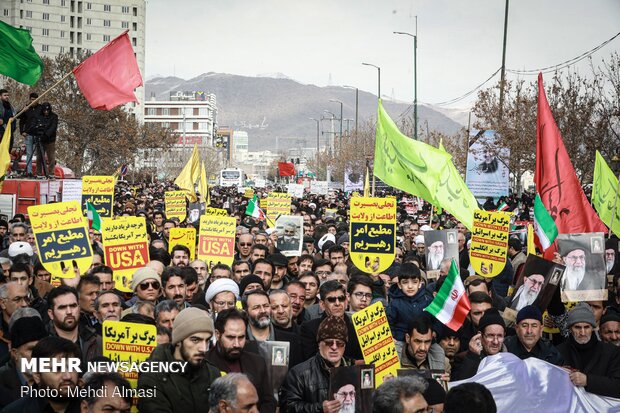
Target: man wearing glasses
x,y
359,292
333,302
306,385
488,342
13,295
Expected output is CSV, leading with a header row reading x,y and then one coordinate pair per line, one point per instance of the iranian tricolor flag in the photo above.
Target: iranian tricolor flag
x,y
451,305
503,206
94,220
544,225
254,210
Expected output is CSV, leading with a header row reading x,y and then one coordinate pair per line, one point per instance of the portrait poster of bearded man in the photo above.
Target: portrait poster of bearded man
x,y
439,245
346,385
586,274
539,280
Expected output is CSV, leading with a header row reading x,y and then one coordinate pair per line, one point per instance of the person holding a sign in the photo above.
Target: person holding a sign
x,y
185,392
306,386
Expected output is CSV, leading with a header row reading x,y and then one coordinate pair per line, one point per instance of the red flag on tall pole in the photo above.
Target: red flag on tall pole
x,y
286,168
108,77
556,180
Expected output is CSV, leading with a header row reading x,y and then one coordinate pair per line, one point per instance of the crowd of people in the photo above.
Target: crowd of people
x,y
215,317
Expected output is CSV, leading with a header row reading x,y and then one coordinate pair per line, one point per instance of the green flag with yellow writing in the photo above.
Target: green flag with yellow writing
x,y
604,189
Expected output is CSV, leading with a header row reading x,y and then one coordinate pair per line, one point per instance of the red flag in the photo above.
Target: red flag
x,y
556,180
108,78
286,168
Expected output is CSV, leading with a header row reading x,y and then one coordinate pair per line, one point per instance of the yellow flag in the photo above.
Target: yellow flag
x,y
531,247
189,175
367,185
203,185
5,158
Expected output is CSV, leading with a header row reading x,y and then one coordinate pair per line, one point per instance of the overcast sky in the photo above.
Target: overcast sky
x,y
319,41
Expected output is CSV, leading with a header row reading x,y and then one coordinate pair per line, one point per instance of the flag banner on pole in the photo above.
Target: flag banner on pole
x,y
556,181
545,227
451,305
18,59
109,77
189,175
286,169
254,210
203,185
5,158
604,190
94,219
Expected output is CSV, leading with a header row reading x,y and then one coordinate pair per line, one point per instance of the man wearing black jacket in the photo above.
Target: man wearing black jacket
x,y
529,341
27,123
46,126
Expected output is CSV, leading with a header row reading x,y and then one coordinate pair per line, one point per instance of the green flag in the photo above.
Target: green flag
x,y
18,58
93,216
404,163
454,195
604,190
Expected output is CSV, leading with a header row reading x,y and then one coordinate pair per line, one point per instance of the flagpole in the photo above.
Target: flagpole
x,y
44,93
613,214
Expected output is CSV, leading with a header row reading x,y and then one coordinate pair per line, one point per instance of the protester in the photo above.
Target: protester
x,y
233,393
402,394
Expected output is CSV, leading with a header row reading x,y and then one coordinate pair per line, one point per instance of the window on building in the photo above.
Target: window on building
x,y
165,112
106,37
89,6
134,41
63,3
106,23
88,36
46,1
126,9
29,14
135,11
150,112
62,19
62,33
165,124
135,27
107,7
125,25
5,12
45,32
45,48
89,21
62,49
46,16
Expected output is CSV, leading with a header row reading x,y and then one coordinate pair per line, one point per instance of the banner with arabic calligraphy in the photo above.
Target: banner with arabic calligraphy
x,y
604,189
176,206
216,211
373,233
375,338
61,235
489,242
487,167
216,240
276,204
126,248
99,191
129,343
183,236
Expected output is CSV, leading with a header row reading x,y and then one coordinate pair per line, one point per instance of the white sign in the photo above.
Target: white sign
x,y
296,190
319,187
260,183
72,190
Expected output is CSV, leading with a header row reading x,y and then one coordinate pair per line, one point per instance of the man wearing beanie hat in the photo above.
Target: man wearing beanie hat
x,y
529,341
249,283
25,334
146,284
185,391
306,386
488,342
596,364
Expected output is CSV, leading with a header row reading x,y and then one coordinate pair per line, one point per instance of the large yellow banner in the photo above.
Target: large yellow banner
x,y
276,204
183,236
175,204
489,242
216,240
99,191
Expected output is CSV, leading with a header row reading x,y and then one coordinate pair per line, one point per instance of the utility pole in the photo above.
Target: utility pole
x,y
503,78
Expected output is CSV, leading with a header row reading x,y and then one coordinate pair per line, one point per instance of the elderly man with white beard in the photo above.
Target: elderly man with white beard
x,y
528,292
575,276
435,255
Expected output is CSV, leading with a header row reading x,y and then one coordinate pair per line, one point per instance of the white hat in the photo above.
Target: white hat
x,y
325,238
426,228
419,239
21,247
221,285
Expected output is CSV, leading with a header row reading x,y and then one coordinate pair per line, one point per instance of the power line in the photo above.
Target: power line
x,y
565,63
448,102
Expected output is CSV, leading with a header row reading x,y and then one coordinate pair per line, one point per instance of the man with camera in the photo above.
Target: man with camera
x,y
46,124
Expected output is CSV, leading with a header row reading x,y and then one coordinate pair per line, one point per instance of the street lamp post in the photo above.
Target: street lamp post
x,y
415,80
331,130
337,101
357,91
378,78
317,146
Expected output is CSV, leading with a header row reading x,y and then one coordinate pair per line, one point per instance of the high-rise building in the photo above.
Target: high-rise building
x,y
74,26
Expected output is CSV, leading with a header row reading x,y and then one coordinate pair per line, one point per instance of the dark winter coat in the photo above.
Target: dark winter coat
x,y
10,384
309,330
175,392
403,309
46,125
543,350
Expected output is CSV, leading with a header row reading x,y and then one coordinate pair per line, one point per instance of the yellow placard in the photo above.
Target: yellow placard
x,y
99,191
373,233
183,236
216,211
125,247
129,343
489,242
276,204
216,240
61,237
376,342
176,207
248,193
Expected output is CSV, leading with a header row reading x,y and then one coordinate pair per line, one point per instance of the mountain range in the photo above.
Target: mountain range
x,y
276,110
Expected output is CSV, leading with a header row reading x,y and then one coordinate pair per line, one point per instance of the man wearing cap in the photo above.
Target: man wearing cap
x,y
488,342
529,341
594,365
25,334
610,327
187,391
280,264
223,293
306,386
